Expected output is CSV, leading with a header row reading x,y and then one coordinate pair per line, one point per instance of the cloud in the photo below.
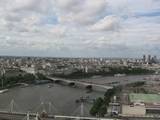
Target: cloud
x,y
75,27
80,12
108,23
40,6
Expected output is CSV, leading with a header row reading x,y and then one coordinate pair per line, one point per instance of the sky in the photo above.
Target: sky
x,y
80,28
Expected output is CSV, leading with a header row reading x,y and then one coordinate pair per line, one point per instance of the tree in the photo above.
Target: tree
x,y
97,108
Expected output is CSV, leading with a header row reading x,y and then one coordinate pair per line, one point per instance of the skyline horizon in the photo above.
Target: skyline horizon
x,y
104,57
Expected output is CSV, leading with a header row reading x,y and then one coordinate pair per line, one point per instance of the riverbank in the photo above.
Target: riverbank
x,y
111,71
19,79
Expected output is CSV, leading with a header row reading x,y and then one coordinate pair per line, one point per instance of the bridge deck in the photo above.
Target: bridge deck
x,y
83,83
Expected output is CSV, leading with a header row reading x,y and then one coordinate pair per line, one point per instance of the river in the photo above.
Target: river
x,y
38,97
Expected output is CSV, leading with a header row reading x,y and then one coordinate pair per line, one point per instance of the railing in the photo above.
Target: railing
x,y
53,116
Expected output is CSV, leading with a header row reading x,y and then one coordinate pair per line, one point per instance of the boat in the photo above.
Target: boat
x,y
3,91
119,75
51,85
22,85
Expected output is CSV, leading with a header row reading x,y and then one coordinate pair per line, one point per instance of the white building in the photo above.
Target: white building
x,y
133,110
30,70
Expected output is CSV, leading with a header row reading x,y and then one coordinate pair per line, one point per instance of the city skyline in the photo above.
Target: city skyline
x,y
76,28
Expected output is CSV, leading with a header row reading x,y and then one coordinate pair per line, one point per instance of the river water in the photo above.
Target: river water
x,y
61,99
113,81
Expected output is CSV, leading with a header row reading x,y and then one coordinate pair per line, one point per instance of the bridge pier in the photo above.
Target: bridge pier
x,y
71,83
89,86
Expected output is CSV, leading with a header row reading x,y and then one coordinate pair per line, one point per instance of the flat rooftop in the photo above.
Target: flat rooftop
x,y
145,98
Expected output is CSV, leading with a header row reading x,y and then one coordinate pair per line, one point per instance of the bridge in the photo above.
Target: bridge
x,y
36,116
93,86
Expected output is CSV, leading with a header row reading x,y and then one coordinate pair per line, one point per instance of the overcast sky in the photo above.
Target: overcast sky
x,y
80,28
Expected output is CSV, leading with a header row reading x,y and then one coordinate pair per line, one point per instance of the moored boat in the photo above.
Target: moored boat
x,y
3,91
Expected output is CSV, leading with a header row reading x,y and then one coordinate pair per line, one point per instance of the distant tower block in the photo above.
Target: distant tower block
x,y
144,58
149,59
86,69
28,116
114,99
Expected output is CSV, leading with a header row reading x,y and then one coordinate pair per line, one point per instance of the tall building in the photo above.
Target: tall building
x,y
149,59
154,59
144,58
86,69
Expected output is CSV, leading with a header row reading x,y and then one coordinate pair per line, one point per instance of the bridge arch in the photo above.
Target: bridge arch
x,y
71,83
89,86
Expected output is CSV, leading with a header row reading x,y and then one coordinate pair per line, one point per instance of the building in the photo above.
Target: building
x,y
86,69
151,101
30,70
114,107
144,59
154,59
149,59
133,110
141,104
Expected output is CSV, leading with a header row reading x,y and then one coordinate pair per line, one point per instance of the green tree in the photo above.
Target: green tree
x,y
97,108
41,76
